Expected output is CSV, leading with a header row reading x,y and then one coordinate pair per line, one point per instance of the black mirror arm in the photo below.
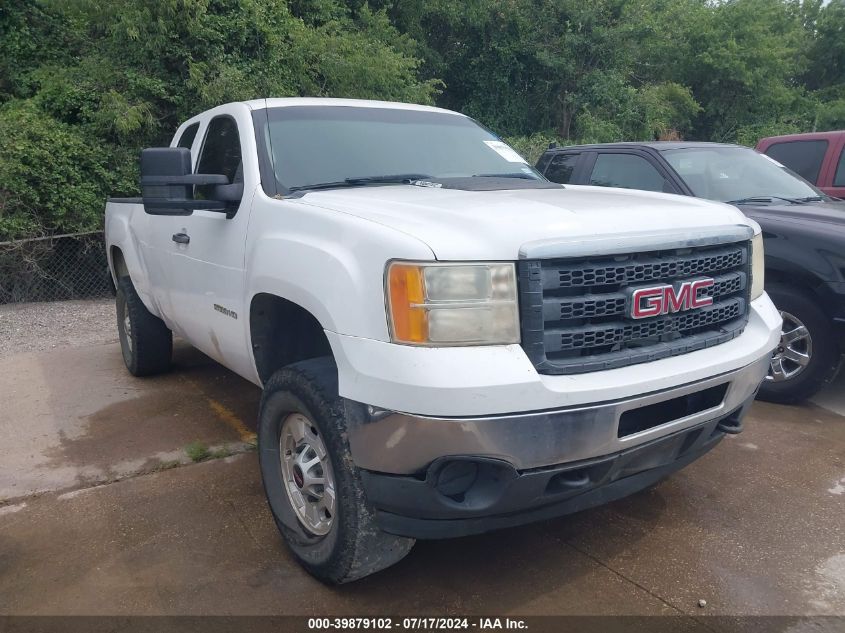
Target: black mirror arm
x,y
189,179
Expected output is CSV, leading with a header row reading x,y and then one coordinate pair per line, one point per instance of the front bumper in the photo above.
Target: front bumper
x,y
470,495
399,443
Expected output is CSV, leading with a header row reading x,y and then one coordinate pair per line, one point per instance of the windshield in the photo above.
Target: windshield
x,y
313,145
736,173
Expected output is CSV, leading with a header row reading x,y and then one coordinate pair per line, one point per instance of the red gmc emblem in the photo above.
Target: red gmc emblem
x,y
657,300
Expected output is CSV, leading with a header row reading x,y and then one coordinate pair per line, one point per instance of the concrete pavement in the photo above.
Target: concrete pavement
x,y
101,512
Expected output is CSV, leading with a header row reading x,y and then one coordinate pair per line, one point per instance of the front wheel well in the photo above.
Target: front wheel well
x,y
283,332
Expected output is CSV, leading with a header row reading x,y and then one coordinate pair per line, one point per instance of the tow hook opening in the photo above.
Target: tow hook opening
x,y
731,423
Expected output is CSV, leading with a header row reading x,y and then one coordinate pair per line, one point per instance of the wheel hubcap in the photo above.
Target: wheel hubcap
x,y
794,352
307,474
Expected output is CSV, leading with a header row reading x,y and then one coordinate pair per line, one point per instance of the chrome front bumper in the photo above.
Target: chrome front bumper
x,y
398,443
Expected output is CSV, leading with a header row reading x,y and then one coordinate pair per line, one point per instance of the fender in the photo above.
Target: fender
x,y
119,233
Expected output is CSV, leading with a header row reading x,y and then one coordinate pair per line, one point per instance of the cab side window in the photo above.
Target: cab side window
x,y
561,168
803,157
188,136
627,171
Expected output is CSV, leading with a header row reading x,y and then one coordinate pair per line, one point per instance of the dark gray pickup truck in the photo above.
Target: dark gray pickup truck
x,y
803,229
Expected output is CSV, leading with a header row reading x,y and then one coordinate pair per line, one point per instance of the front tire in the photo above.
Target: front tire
x,y
808,355
145,341
312,485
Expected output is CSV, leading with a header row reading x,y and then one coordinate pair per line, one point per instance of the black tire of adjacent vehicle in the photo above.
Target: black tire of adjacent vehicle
x,y
151,346
354,546
825,360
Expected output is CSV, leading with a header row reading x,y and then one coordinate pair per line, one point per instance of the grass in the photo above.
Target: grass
x,y
197,451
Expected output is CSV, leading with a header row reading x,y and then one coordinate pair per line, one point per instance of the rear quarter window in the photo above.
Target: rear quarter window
x,y
188,136
802,157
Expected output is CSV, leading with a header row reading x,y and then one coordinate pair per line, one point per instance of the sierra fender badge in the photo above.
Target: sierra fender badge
x,y
225,311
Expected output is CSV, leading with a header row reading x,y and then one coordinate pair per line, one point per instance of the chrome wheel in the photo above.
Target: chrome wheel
x,y
307,474
794,351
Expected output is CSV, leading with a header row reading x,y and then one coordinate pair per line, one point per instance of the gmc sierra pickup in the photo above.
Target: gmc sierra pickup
x,y
448,343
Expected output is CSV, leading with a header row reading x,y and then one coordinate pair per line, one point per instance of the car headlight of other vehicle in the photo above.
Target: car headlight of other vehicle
x,y
452,304
758,266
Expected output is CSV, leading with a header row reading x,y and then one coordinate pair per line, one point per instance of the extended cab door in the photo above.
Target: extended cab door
x,y
207,263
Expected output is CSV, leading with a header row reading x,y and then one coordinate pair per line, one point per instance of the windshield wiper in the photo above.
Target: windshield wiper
x,y
812,199
363,181
522,175
754,199
387,179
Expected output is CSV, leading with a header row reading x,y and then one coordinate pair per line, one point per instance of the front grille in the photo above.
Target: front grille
x,y
575,313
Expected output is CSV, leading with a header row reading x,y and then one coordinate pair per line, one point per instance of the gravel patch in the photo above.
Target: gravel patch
x,y
36,327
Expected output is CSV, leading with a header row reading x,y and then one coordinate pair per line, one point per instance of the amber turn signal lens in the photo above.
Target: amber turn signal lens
x,y
407,296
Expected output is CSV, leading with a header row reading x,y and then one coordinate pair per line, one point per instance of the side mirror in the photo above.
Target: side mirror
x,y
167,184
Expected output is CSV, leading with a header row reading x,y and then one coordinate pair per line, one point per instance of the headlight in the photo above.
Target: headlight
x,y
452,304
758,266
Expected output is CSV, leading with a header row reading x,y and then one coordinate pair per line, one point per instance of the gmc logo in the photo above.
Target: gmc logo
x,y
649,302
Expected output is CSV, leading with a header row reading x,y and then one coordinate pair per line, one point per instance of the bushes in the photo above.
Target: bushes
x,y
52,178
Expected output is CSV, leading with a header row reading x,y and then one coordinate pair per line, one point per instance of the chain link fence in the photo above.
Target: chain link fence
x,y
54,268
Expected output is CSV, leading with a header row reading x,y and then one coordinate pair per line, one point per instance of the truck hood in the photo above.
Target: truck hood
x,y
497,225
825,213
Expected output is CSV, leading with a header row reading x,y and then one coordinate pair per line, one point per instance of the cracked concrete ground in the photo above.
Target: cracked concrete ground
x,y
102,512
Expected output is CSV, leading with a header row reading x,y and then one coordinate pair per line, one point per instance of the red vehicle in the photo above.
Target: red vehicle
x,y
818,157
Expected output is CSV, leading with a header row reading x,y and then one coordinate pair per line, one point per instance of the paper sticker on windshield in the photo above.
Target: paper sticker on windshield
x,y
505,152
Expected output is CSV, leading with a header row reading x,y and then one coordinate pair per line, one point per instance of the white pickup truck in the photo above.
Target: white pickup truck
x,y
447,342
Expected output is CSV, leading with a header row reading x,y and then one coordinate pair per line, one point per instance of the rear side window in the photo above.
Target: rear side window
x,y
221,152
802,157
627,171
839,178
187,138
561,167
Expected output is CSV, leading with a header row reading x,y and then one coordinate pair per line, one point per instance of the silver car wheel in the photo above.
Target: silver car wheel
x,y
307,474
794,351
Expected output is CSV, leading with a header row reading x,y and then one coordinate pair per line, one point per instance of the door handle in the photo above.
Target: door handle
x,y
181,238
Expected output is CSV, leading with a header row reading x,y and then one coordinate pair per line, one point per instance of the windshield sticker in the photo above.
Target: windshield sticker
x,y
505,152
